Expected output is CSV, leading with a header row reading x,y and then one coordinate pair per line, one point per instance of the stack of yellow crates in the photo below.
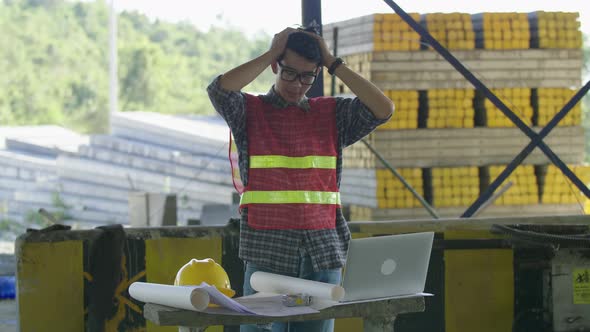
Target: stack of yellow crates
x,y
391,33
558,189
360,63
442,125
517,99
358,212
502,31
358,156
406,109
551,100
556,30
454,186
391,192
453,30
450,108
524,189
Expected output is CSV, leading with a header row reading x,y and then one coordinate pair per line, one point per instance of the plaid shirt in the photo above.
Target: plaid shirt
x,y
279,250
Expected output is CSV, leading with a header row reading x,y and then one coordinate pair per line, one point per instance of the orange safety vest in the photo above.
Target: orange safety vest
x,y
292,168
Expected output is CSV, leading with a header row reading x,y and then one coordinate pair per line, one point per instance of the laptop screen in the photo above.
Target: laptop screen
x,y
387,266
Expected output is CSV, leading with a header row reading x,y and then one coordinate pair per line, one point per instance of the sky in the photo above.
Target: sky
x,y
255,15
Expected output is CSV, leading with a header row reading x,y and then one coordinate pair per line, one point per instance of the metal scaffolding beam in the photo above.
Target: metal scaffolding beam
x,y
311,10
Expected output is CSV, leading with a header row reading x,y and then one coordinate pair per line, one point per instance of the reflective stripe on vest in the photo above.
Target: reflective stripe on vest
x,y
269,161
290,197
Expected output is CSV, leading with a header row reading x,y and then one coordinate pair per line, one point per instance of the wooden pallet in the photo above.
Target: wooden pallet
x,y
368,214
462,147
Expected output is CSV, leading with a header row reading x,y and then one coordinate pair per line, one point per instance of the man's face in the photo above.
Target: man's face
x,y
292,73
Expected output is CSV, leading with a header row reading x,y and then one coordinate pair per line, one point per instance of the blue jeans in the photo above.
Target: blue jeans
x,y
305,272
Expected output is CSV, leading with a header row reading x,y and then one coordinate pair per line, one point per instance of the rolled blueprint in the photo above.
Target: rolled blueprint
x,y
183,297
265,282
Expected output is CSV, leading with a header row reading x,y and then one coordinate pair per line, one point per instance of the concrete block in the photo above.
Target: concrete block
x,y
71,202
6,194
27,161
206,131
218,214
180,144
356,191
92,189
119,176
14,183
161,167
138,148
186,194
89,218
25,208
361,201
152,209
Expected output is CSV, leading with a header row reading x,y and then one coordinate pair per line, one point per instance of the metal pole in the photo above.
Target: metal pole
x,y
113,79
401,178
536,142
492,199
333,85
311,10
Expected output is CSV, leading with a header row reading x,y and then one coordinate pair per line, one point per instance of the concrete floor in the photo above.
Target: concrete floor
x,y
8,316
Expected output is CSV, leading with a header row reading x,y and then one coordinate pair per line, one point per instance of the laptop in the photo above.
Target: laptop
x,y
386,266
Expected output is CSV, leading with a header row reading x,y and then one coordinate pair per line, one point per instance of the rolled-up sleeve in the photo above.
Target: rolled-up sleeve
x,y
231,105
354,120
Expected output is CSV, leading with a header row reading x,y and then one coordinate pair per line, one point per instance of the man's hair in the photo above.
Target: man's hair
x,y
305,46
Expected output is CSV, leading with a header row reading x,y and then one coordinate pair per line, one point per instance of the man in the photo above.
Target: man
x,y
290,160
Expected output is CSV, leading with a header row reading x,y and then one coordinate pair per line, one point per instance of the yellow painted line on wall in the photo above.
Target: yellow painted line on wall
x,y
112,324
479,290
165,256
51,286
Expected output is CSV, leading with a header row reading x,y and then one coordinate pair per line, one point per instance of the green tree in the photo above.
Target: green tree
x,y
54,63
139,82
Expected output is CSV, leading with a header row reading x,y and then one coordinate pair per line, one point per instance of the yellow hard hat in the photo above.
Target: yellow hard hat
x,y
206,270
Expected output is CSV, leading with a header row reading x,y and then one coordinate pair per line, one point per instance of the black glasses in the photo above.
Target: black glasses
x,y
289,74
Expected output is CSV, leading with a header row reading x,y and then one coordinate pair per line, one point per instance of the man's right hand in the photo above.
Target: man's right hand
x,y
279,43
242,75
